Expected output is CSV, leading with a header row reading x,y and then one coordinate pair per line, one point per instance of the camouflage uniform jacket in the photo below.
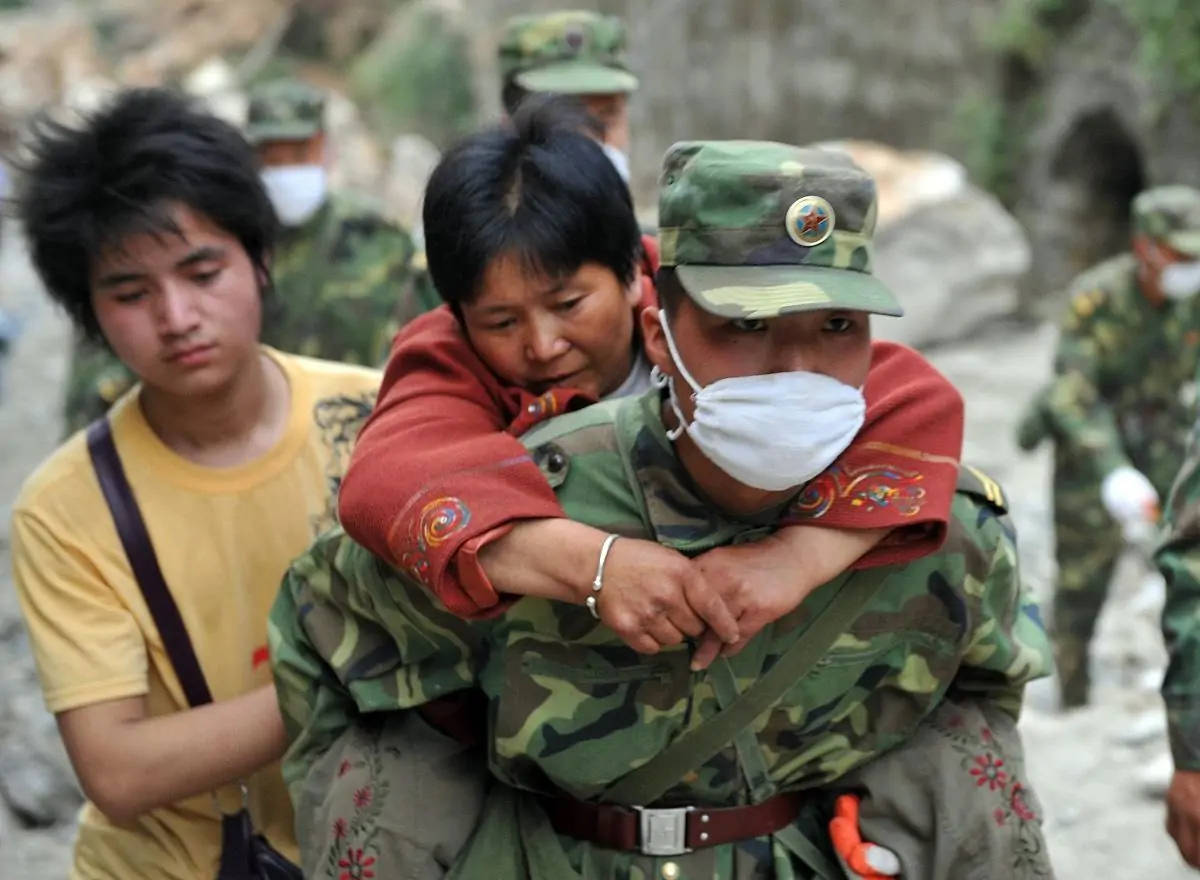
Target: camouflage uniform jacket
x,y
1179,559
572,708
345,282
1122,392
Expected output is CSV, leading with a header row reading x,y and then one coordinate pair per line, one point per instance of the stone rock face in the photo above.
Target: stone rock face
x,y
416,75
413,160
1087,156
177,35
1103,129
36,779
950,251
37,784
791,70
358,160
43,58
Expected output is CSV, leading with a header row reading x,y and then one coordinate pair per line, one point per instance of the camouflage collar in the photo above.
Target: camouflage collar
x,y
676,510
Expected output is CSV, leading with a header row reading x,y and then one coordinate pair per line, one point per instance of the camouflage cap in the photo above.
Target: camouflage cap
x,y
284,110
1170,214
570,53
756,229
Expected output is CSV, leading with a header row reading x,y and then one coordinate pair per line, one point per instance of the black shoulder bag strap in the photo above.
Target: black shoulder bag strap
x,y
142,559
245,854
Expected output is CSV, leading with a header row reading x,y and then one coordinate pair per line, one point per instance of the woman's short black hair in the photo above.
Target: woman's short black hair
x,y
86,189
539,189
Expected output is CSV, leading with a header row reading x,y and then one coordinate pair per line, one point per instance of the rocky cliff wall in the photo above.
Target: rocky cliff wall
x,y
792,70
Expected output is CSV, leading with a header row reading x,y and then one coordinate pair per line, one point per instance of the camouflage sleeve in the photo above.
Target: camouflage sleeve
x,y
349,635
1077,414
1179,560
382,259
1008,646
347,298
315,706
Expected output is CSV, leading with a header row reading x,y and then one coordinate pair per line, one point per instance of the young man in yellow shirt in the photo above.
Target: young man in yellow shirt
x,y
150,226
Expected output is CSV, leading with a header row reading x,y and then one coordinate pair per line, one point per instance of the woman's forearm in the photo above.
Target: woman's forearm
x,y
547,558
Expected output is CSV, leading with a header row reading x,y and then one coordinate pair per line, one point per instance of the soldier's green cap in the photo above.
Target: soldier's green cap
x,y
756,229
1170,214
572,52
284,110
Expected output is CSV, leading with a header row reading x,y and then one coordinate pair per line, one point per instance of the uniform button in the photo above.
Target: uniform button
x,y
670,871
556,462
531,409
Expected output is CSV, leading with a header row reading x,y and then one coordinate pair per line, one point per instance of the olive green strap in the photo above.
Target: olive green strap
x,y
652,780
749,749
808,852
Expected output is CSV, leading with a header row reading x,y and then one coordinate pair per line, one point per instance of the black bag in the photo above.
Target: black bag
x,y
245,854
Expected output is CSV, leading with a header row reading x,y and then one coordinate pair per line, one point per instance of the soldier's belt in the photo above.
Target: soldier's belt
x,y
669,831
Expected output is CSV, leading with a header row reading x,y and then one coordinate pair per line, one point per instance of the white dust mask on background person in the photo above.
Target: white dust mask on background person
x,y
1180,280
771,432
296,191
619,159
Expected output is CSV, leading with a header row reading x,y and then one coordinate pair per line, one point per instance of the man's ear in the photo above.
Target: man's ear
x,y
262,274
654,341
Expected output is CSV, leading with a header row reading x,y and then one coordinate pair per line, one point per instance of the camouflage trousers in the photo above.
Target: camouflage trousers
x,y
1087,545
399,800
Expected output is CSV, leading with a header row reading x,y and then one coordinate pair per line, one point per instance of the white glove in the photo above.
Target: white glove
x,y
1129,497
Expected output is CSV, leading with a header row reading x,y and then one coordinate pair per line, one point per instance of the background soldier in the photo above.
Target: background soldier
x,y
343,273
572,53
1118,410
344,277
1179,560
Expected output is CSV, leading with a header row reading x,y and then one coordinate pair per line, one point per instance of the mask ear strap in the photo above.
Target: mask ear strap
x,y
674,433
662,319
659,379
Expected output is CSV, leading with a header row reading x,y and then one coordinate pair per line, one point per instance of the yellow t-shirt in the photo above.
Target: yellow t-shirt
x,y
224,537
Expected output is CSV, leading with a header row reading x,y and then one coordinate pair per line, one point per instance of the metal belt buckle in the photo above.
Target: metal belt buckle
x,y
664,832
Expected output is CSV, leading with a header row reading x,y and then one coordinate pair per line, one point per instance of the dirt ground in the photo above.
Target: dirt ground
x,y
1087,765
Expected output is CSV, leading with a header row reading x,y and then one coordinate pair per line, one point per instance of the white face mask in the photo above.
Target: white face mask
x,y
771,432
1181,280
619,160
296,191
